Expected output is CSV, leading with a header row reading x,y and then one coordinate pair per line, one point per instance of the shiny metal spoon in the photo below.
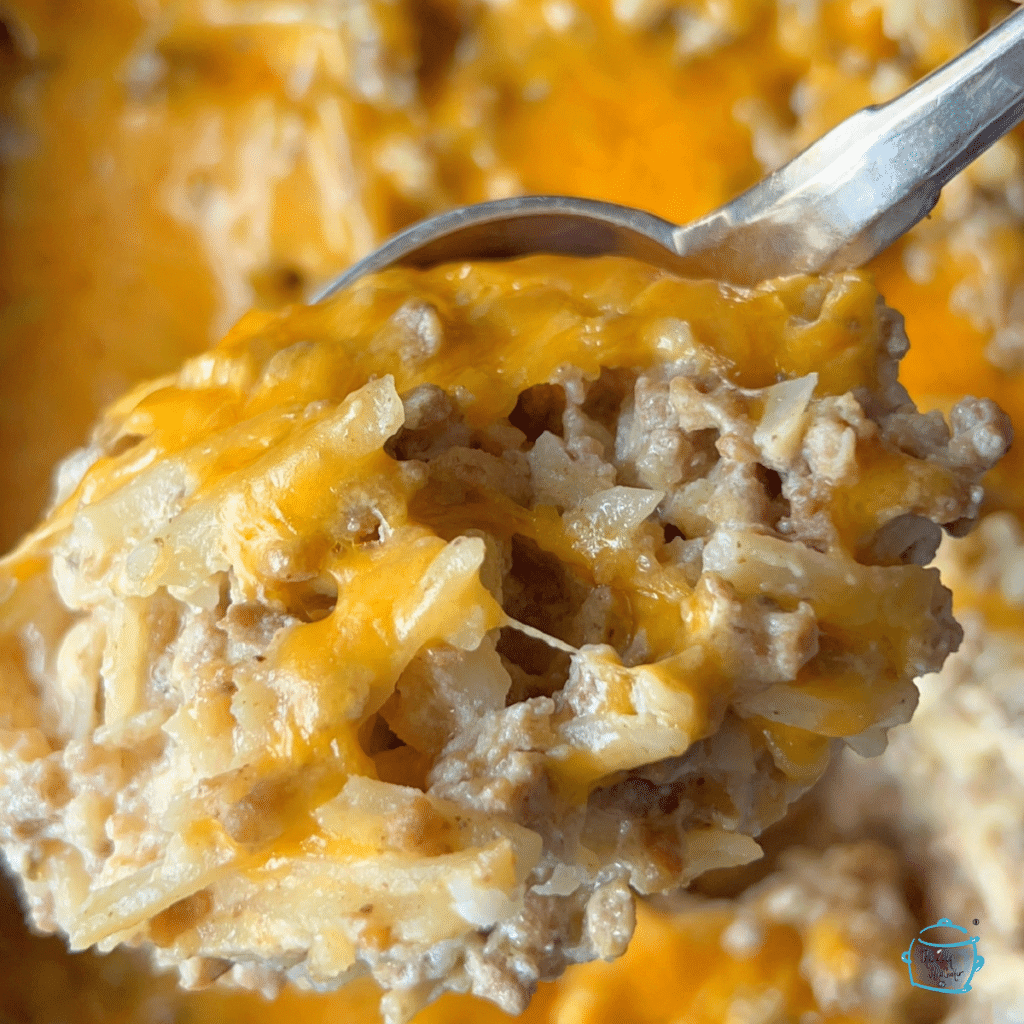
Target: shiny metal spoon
x,y
839,203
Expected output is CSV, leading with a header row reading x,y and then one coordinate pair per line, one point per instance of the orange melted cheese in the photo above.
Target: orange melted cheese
x,y
103,285
507,328
705,983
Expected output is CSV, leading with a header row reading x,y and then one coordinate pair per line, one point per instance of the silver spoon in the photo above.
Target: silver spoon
x,y
839,203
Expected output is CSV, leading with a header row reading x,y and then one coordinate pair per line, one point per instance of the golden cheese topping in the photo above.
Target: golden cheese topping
x,y
409,633
258,149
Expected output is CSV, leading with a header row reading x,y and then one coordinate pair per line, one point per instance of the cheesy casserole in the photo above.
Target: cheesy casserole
x,y
166,166
412,632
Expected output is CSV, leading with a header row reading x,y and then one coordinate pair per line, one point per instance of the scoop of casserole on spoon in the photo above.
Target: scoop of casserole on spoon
x,y
412,633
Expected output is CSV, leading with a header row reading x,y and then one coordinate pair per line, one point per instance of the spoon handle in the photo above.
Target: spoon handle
x,y
857,189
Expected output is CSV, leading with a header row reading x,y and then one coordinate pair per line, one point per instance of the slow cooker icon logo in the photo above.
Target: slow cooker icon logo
x,y
943,958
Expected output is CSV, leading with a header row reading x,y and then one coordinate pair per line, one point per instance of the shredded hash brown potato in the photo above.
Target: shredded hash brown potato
x,y
410,634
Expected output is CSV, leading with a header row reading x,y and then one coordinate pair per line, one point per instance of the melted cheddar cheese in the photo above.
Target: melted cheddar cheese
x,y
475,597
147,202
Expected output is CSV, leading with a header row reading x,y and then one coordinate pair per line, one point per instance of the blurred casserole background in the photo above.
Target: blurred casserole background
x,y
167,164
